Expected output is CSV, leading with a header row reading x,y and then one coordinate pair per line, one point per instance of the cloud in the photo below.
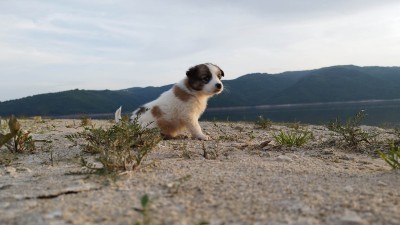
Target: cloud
x,y
57,45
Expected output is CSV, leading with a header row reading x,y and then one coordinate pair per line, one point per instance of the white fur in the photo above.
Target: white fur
x,y
118,116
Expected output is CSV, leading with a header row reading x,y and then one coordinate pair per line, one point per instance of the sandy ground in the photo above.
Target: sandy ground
x,y
241,182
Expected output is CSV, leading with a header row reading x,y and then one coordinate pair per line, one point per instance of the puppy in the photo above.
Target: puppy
x,y
180,108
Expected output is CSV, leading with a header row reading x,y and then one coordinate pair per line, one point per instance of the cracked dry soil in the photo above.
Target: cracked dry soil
x,y
244,180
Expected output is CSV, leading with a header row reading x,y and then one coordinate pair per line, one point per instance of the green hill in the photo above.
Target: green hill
x,y
330,84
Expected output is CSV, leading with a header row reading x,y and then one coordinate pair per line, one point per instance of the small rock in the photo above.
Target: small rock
x,y
265,143
381,183
351,218
54,214
4,205
345,157
265,154
267,148
284,158
11,170
24,169
349,189
30,219
327,152
306,221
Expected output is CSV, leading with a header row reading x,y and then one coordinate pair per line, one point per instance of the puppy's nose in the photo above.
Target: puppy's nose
x,y
218,86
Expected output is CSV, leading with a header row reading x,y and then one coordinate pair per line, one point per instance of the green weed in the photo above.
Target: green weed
x,y
203,223
392,157
17,140
121,147
145,210
263,123
86,121
293,138
350,131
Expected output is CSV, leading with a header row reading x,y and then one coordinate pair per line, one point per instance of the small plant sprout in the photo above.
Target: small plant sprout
x,y
203,223
145,210
263,123
292,138
17,140
392,157
86,121
175,186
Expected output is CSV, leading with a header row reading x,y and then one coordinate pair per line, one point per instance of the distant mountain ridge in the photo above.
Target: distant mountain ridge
x,y
329,84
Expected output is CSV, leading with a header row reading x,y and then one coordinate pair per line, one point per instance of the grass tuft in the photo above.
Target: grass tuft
x,y
17,140
86,121
122,147
293,138
392,157
262,123
350,131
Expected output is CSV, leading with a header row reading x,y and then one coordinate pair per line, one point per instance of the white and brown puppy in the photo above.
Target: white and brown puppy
x,y
180,108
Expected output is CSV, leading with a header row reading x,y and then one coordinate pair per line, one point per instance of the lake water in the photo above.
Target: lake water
x,y
379,112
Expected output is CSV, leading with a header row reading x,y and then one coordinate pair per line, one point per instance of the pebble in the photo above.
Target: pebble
x,y
345,157
327,152
265,154
349,189
268,147
54,214
265,143
284,158
381,183
24,169
11,170
351,218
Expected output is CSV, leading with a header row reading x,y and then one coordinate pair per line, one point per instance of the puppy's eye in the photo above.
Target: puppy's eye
x,y
206,79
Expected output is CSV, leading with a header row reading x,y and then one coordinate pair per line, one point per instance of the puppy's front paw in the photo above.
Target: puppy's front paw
x,y
203,137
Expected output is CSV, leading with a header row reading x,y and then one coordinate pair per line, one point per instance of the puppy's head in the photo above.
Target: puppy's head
x,y
205,78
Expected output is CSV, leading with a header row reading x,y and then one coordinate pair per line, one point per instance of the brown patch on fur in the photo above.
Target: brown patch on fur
x,y
181,94
170,128
156,112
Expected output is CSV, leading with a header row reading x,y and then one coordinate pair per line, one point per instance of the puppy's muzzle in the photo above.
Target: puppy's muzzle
x,y
218,88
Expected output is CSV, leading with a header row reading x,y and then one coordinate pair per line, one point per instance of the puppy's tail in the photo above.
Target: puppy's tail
x,y
118,116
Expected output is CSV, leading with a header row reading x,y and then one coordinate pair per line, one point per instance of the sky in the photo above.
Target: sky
x,y
54,45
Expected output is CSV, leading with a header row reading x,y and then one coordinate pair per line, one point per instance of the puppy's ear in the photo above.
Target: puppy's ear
x,y
222,72
192,71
